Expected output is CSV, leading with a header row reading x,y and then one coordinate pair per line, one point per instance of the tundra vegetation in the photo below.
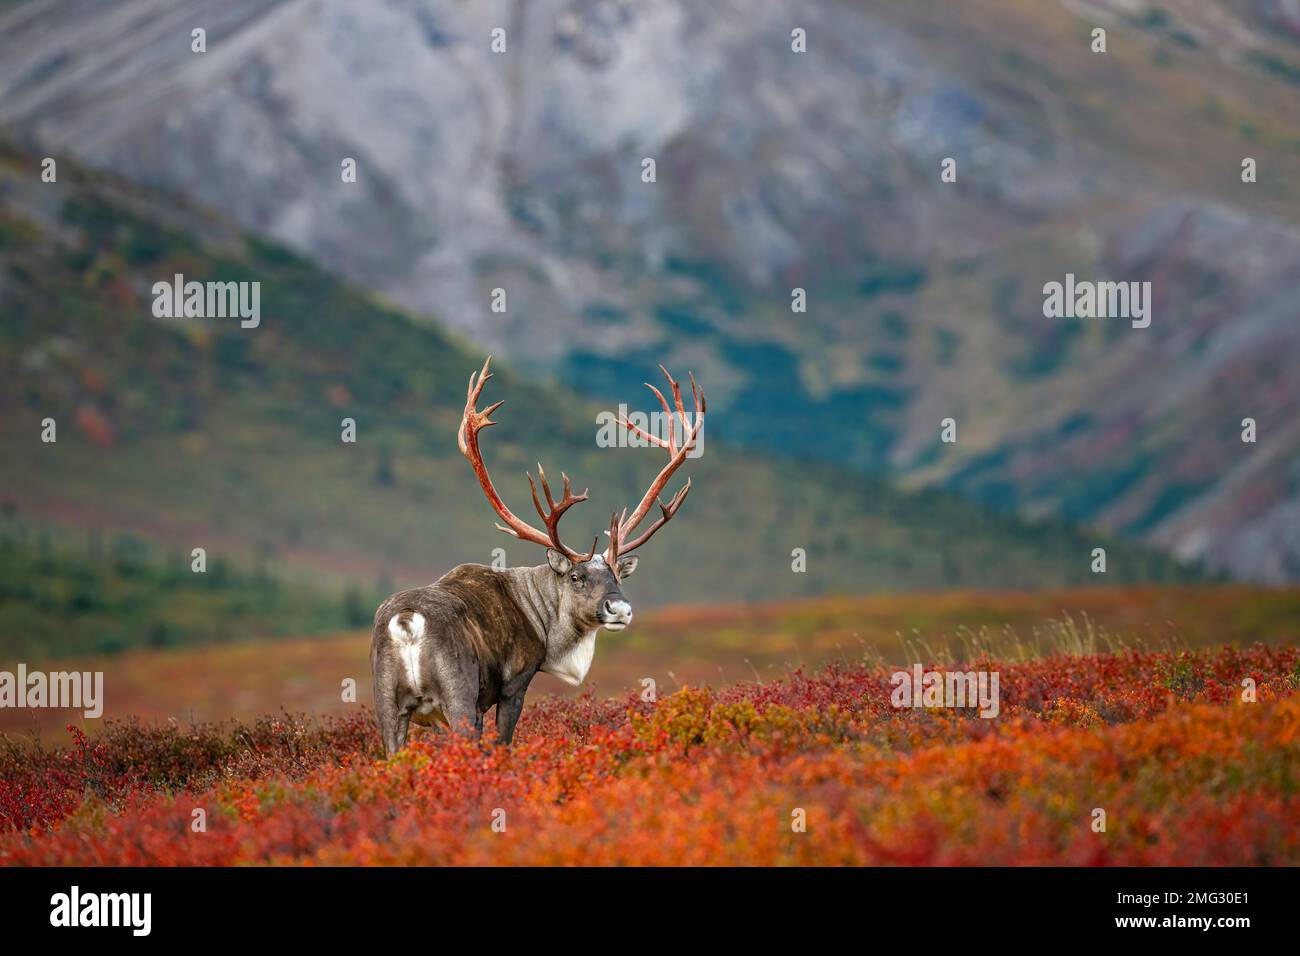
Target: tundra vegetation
x,y
1186,771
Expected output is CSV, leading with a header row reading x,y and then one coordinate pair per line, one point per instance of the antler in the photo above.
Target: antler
x,y
622,527
471,423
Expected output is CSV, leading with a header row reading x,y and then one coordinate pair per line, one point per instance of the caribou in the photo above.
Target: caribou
x,y
445,654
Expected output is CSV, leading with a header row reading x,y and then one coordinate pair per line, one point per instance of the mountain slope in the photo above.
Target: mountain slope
x,y
776,170
199,433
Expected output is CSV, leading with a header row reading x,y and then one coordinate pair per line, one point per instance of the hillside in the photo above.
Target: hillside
x,y
65,593
199,433
778,170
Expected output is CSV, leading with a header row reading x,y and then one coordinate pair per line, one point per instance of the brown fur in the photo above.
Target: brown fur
x,y
486,634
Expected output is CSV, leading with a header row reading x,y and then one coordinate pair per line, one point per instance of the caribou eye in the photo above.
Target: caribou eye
x,y
573,578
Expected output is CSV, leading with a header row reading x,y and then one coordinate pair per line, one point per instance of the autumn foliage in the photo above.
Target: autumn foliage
x,y
1185,770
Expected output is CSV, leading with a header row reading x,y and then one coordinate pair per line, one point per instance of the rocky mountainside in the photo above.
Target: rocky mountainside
x,y
774,170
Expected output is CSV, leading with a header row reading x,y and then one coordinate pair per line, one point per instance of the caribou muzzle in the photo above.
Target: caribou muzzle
x,y
615,613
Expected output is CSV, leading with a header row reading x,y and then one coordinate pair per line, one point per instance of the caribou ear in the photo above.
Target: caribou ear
x,y
627,565
558,562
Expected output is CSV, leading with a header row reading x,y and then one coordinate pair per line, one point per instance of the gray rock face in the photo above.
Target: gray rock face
x,y
774,169
472,161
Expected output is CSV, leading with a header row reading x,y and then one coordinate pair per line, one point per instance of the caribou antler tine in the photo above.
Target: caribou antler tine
x,y
621,540
668,414
474,421
477,380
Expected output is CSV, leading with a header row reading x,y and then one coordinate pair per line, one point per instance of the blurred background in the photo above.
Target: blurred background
x,y
522,170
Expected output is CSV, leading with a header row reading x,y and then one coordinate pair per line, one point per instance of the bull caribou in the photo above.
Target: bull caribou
x,y
447,653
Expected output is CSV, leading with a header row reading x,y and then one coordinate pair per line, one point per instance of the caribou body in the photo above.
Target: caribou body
x,y
447,653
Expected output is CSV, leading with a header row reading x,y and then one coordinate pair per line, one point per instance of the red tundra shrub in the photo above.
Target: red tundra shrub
x,y
809,770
